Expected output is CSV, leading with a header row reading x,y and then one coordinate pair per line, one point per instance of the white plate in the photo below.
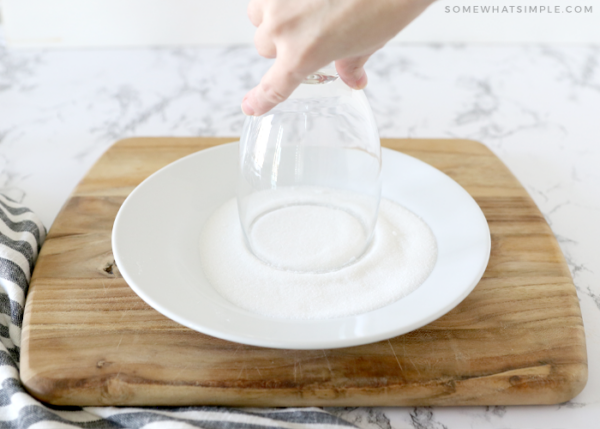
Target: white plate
x,y
156,247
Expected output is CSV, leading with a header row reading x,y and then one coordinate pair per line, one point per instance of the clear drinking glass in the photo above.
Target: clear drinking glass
x,y
310,181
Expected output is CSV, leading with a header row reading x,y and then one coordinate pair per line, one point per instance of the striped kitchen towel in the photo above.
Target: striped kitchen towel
x,y
21,237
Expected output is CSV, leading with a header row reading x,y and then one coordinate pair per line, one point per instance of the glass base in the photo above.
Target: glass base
x,y
308,237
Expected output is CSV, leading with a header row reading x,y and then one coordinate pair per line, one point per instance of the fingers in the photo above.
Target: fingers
x,y
351,70
255,12
276,86
264,44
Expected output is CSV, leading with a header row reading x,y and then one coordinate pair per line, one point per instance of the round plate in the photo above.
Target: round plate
x,y
156,247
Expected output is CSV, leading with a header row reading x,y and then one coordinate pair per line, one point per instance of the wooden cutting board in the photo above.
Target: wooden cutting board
x,y
89,340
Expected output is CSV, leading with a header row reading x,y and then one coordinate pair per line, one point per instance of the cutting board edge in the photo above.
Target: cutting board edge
x,y
567,385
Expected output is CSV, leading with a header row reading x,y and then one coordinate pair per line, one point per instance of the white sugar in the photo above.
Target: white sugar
x,y
400,259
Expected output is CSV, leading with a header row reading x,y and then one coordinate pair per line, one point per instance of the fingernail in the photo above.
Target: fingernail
x,y
361,82
247,108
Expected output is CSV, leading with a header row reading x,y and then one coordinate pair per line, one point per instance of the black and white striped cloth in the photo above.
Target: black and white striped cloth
x,y
21,237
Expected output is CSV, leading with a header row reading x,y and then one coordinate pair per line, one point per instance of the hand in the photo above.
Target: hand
x,y
305,35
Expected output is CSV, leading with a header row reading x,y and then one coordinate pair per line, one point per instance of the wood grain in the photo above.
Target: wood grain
x,y
89,340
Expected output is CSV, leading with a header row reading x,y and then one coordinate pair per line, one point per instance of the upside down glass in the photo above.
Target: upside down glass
x,y
310,178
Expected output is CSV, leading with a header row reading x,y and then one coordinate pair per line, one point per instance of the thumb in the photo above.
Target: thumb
x,y
275,86
351,70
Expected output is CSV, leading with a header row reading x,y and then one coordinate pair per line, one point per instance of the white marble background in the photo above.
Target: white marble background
x,y
537,107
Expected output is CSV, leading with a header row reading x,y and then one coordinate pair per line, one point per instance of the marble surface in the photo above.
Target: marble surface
x,y
537,107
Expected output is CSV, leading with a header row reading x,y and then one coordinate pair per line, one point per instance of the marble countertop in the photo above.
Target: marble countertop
x,y
536,107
